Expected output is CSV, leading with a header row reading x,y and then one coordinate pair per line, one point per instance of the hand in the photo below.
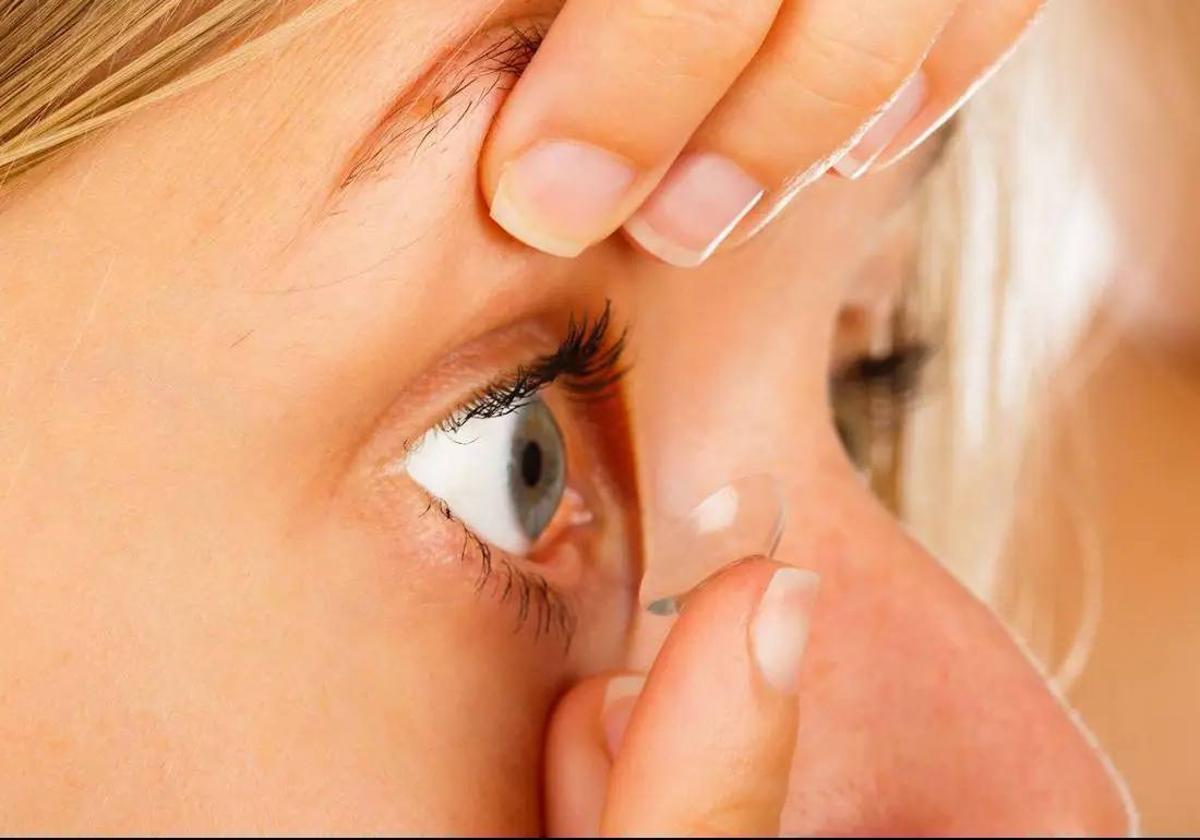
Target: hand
x,y
704,747
688,121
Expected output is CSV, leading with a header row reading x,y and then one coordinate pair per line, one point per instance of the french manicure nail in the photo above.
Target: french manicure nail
x,y
619,698
779,630
698,204
562,196
900,112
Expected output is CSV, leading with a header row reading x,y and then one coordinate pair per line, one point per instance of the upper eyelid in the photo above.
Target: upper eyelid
x,y
588,361
425,106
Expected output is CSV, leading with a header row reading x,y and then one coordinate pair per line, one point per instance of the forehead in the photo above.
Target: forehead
x,y
236,187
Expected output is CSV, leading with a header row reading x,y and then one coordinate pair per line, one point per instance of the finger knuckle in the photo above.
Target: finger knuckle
x,y
845,72
701,22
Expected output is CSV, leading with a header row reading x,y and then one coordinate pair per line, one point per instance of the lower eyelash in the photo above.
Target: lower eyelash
x,y
537,603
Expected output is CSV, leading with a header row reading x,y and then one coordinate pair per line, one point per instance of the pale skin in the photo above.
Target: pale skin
x,y
232,617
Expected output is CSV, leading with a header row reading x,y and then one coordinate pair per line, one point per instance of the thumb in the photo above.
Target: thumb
x,y
705,745
710,740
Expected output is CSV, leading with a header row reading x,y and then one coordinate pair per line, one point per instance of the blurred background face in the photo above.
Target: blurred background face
x,y
247,587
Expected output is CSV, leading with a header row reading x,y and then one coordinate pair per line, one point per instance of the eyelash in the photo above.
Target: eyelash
x,y
534,594
896,375
587,364
870,395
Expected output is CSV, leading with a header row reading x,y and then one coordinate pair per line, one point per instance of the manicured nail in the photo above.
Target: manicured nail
x,y
562,196
619,698
779,630
695,208
906,105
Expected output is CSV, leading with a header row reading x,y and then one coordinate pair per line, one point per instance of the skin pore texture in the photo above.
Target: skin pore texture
x,y
231,616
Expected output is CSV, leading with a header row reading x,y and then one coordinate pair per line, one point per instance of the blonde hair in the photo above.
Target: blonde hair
x,y
1014,260
1017,259
71,67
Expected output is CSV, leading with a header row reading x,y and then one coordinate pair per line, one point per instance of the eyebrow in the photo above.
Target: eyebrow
x,y
445,95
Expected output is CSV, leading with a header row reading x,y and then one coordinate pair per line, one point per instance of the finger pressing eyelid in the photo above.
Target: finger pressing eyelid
x,y
604,109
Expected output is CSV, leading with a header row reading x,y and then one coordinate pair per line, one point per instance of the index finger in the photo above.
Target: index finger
x,y
708,749
611,98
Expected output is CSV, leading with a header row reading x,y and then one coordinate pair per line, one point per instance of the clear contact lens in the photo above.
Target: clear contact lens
x,y
744,518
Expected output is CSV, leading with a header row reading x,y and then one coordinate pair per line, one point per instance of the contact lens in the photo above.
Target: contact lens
x,y
744,518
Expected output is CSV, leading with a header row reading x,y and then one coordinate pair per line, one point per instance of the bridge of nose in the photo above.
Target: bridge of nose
x,y
721,392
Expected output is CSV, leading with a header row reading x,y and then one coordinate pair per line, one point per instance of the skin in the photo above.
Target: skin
x,y
231,617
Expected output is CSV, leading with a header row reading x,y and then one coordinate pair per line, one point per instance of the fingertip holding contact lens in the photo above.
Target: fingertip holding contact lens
x,y
745,518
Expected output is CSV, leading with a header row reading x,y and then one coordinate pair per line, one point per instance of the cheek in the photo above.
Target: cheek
x,y
439,731
281,685
396,697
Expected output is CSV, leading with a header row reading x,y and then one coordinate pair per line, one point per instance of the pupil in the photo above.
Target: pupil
x,y
531,464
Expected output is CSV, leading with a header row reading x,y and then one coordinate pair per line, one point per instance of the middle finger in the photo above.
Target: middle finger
x,y
827,69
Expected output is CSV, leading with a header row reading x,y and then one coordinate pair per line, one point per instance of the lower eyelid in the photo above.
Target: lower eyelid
x,y
540,607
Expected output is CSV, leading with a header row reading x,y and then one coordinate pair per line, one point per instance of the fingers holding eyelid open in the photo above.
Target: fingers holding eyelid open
x,y
562,170
703,144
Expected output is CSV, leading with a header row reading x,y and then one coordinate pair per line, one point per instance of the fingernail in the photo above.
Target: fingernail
x,y
562,196
779,630
906,105
619,699
698,204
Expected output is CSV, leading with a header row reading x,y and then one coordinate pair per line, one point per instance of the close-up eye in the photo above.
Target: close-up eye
x,y
527,482
503,477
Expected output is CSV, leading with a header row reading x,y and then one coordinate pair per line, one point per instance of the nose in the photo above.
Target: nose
x,y
919,713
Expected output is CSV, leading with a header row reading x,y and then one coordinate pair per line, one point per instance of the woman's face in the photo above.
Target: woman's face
x,y
232,599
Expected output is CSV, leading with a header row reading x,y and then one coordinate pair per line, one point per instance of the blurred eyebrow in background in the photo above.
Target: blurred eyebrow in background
x,y
461,78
